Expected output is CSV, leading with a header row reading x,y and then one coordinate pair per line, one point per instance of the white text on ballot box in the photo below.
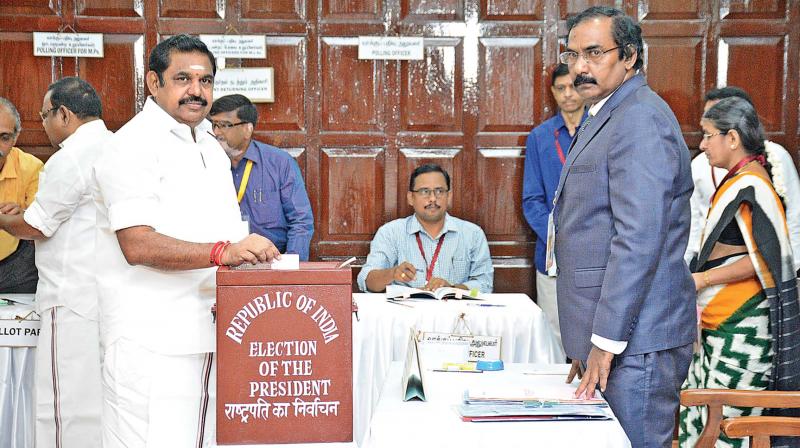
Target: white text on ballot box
x,y
285,363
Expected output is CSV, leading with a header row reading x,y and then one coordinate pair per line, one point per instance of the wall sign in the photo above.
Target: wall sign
x,y
257,83
236,46
81,45
390,47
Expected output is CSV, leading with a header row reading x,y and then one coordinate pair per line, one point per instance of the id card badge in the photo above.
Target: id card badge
x,y
550,258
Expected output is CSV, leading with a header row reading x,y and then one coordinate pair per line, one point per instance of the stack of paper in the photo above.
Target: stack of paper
x,y
521,404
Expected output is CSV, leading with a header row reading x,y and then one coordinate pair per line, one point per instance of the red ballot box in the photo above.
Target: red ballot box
x,y
285,364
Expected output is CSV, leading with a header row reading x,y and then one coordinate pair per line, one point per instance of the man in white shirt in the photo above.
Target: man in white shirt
x,y
706,178
164,195
62,221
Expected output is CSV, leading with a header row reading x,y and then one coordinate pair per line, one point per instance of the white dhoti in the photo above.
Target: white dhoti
x,y
547,301
68,385
157,401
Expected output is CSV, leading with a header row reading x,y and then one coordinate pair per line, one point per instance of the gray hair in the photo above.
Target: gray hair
x,y
13,111
734,113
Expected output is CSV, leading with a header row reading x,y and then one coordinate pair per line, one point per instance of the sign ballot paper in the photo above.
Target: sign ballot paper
x,y
284,344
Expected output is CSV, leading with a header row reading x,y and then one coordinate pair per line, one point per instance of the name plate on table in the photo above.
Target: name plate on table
x,y
284,366
19,332
481,348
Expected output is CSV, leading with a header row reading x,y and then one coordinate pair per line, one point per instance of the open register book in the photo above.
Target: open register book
x,y
398,292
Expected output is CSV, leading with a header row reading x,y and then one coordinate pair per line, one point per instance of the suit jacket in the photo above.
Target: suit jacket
x,y
622,221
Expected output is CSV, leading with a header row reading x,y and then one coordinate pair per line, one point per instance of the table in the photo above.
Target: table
x,y
16,386
381,336
436,422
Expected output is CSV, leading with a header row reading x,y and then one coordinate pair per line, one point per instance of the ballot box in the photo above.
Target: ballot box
x,y
285,365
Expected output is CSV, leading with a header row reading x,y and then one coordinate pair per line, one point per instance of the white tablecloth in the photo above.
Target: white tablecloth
x,y
435,423
16,388
381,336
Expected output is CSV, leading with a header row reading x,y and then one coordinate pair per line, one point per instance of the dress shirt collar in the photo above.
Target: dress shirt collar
x,y
598,105
252,152
9,170
160,119
86,131
595,108
413,226
559,122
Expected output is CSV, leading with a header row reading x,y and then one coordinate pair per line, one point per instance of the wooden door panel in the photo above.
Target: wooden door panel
x,y
508,100
739,56
272,10
679,84
513,9
287,56
351,9
24,81
451,159
568,8
351,88
109,8
192,9
118,77
431,89
499,179
432,9
753,9
670,10
300,155
29,7
351,193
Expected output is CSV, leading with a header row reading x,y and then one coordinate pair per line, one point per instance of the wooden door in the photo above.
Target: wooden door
x,y
358,128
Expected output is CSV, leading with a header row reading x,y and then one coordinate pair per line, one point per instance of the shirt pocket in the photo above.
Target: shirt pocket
x,y
268,212
459,271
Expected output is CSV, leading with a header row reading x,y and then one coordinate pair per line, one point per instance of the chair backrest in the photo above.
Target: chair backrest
x,y
714,399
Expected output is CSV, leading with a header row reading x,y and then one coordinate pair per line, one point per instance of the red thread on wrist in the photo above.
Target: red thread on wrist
x,y
214,249
218,258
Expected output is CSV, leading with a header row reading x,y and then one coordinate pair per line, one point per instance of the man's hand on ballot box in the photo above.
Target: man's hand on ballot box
x,y
252,249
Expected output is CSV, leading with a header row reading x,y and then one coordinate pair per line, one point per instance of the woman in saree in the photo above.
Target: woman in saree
x,y
746,288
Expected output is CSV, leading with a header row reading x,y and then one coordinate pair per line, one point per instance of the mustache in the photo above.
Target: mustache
x,y
583,79
193,98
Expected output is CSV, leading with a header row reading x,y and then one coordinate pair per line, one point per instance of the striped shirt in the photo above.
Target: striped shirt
x,y
463,259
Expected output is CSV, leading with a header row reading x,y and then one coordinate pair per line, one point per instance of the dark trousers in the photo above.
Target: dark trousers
x,y
18,272
644,393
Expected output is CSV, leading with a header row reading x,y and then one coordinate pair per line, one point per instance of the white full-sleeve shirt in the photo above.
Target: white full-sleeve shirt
x,y
63,210
155,174
785,178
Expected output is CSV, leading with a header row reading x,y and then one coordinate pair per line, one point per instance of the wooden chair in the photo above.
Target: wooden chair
x,y
759,429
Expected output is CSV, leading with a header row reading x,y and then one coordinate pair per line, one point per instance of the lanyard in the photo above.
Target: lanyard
x,y
429,270
558,147
736,168
245,178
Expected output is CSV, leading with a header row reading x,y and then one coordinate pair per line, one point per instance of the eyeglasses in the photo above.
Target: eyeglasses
x,y
7,137
592,55
225,125
708,136
426,192
47,112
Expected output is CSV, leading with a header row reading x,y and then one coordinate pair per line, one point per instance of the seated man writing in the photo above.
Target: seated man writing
x,y
429,249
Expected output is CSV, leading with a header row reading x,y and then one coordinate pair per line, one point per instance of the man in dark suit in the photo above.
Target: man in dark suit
x,y
621,224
